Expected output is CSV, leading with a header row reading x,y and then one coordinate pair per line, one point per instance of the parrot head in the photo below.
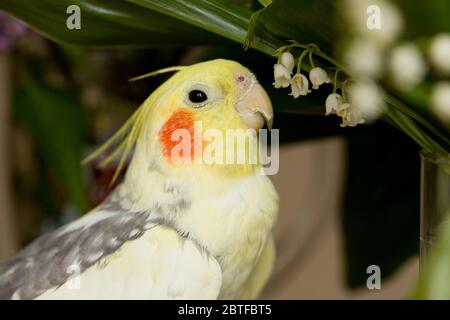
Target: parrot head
x,y
220,93
214,96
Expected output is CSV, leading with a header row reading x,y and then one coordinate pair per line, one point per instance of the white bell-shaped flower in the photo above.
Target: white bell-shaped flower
x,y
407,66
440,53
364,58
318,76
299,86
351,115
368,98
440,101
287,60
380,21
332,103
282,76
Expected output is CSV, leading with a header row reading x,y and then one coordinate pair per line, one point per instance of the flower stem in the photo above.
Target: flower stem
x,y
311,60
300,59
336,79
315,50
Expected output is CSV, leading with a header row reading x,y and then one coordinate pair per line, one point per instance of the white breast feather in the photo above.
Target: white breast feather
x,y
159,265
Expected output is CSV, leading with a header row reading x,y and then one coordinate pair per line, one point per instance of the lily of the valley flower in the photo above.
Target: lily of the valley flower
x,y
318,76
282,76
333,102
364,58
287,60
283,70
299,86
407,66
440,101
351,115
368,98
380,21
440,53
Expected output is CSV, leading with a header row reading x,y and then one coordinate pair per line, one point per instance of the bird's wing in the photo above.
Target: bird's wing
x,y
112,256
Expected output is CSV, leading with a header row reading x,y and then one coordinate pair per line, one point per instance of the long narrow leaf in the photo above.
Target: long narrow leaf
x,y
107,23
226,19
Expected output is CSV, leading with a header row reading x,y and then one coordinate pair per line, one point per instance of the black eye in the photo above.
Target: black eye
x,y
197,96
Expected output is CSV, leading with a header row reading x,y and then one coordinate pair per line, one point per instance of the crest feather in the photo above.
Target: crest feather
x,y
125,138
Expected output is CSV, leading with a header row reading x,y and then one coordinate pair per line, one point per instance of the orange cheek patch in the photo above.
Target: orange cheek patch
x,y
168,136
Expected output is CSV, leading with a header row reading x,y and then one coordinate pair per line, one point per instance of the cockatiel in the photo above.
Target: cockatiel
x,y
170,230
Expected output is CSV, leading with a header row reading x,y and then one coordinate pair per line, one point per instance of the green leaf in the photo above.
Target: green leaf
x,y
107,23
57,122
223,18
305,21
425,18
265,3
153,23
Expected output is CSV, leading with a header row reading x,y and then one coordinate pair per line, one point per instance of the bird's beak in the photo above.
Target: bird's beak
x,y
255,108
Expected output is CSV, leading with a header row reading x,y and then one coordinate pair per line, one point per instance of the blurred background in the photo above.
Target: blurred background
x,y
349,197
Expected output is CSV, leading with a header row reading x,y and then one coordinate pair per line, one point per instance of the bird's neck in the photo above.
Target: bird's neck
x,y
208,207
151,183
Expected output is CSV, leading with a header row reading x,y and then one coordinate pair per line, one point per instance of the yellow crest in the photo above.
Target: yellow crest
x,y
125,138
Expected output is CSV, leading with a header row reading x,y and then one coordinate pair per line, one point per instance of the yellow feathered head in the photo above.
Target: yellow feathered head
x,y
220,95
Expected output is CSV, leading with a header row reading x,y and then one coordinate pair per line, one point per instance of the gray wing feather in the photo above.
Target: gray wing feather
x,y
44,264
